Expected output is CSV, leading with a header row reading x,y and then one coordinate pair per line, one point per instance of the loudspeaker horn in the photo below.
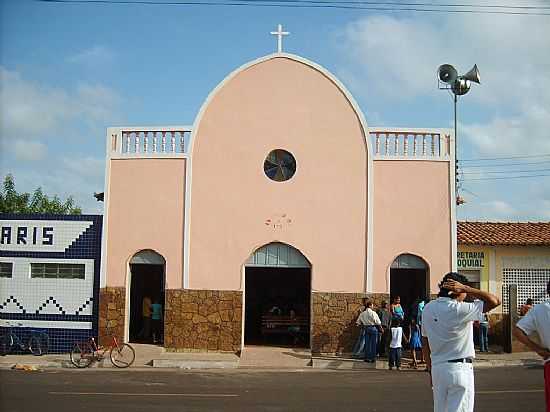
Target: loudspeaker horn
x,y
472,75
447,73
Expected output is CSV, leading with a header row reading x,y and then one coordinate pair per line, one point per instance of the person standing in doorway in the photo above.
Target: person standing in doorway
x,y
156,316
385,319
397,311
371,322
447,330
146,318
538,320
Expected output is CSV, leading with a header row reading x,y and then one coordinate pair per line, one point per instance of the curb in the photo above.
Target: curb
x,y
316,363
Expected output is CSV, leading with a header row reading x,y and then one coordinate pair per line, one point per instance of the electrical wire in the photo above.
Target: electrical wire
x,y
503,178
503,158
388,3
505,164
506,171
294,4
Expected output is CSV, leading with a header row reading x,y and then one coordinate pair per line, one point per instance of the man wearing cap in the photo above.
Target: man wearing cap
x,y
447,341
538,320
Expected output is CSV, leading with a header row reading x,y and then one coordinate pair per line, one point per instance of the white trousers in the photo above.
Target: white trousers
x,y
453,387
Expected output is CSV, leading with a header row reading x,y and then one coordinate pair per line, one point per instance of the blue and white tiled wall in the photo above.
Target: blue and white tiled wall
x,y
67,309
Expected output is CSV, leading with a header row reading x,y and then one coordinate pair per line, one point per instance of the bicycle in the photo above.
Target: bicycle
x,y
37,344
84,353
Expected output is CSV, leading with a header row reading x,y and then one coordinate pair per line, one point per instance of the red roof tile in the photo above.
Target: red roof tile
x,y
500,233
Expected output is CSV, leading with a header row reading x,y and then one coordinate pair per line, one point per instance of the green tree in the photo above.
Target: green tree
x,y
38,202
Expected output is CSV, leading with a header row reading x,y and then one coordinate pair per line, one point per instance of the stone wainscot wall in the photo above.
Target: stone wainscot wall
x,y
111,313
203,320
333,322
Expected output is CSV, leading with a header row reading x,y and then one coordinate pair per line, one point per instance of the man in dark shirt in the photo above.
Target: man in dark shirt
x,y
385,319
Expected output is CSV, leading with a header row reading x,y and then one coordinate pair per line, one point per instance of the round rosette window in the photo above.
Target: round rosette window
x,y
279,165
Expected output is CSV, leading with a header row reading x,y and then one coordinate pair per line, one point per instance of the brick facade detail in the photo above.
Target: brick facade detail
x,y
111,312
333,329
203,320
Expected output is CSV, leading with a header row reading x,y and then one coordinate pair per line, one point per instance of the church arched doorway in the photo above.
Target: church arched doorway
x,y
147,285
277,297
409,279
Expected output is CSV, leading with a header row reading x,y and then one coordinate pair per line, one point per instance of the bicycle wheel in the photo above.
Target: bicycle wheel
x,y
35,345
82,355
45,342
122,356
6,341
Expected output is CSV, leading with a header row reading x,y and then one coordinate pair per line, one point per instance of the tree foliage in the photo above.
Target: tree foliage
x,y
38,202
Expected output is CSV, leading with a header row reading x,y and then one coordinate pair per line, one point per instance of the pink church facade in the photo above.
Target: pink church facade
x,y
278,194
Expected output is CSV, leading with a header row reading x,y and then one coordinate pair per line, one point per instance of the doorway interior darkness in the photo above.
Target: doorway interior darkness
x,y
286,288
409,284
146,280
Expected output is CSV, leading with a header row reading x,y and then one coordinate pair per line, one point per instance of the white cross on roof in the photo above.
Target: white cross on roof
x,y
280,33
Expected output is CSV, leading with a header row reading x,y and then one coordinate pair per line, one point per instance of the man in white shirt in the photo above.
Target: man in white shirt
x,y
371,322
447,342
538,320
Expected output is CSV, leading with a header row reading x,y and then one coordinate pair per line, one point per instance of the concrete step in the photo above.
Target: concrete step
x,y
333,362
275,357
194,364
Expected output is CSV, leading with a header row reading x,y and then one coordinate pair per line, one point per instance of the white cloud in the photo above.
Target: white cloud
x,y
397,59
76,175
94,56
85,166
43,124
29,150
399,56
29,109
526,133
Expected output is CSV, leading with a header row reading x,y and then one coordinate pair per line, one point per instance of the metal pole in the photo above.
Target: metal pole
x,y
456,153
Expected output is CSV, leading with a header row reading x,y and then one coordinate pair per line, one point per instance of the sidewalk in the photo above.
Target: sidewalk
x,y
156,357
482,360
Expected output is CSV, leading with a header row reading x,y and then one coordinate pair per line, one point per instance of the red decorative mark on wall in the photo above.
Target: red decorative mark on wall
x,y
278,221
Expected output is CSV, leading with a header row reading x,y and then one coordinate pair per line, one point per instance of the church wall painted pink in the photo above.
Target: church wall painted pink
x,y
146,209
412,215
279,103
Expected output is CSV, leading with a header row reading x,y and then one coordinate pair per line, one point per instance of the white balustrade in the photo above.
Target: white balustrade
x,y
428,144
144,142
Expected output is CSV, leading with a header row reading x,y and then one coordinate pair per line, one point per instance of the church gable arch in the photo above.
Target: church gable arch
x,y
279,102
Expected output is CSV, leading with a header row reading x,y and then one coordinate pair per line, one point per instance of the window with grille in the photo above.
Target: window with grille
x,y
57,270
531,283
6,269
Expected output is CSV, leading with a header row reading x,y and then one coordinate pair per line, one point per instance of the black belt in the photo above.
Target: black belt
x,y
461,360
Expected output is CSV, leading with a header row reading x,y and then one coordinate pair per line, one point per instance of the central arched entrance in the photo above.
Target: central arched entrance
x,y
409,277
277,297
147,285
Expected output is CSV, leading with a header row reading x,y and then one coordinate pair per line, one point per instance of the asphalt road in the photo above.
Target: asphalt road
x,y
498,389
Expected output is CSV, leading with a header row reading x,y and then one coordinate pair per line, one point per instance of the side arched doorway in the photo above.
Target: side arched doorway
x,y
409,279
147,285
277,297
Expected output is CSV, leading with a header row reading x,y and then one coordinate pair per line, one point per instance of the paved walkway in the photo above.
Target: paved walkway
x,y
148,356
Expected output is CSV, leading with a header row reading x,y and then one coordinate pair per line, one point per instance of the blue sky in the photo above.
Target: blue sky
x,y
68,71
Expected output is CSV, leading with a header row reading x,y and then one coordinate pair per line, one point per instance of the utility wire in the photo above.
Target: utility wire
x,y
389,3
504,158
506,171
506,164
275,3
504,178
